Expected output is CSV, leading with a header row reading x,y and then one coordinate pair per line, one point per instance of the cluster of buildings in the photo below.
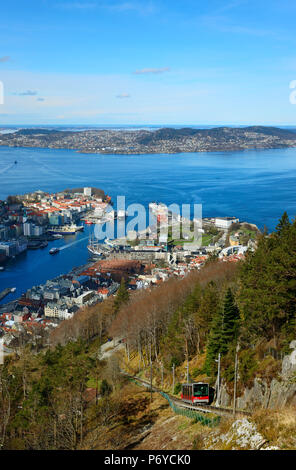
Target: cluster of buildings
x,y
144,264
43,307
140,141
27,219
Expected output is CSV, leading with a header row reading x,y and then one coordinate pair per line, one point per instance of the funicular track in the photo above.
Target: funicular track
x,y
180,404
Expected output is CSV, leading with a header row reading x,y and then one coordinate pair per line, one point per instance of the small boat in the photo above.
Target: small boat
x,y
15,162
53,251
1,268
13,289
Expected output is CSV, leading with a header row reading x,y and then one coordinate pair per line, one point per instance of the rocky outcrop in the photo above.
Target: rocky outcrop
x,y
242,435
279,393
289,363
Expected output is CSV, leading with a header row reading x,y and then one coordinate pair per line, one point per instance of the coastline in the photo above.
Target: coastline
x,y
156,152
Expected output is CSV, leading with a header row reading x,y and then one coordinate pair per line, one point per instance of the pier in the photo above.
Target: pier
x,y
6,291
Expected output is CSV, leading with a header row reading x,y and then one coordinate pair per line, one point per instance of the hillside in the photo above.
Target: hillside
x,y
165,140
73,395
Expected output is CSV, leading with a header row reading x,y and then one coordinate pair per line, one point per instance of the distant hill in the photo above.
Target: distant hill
x,y
165,140
216,132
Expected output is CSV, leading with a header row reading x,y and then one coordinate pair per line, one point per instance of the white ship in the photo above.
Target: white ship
x,y
65,229
94,248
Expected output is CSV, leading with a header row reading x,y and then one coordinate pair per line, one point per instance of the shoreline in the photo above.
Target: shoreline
x,y
143,142
156,152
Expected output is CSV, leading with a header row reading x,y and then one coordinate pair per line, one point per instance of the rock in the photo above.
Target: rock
x,y
242,435
278,394
289,362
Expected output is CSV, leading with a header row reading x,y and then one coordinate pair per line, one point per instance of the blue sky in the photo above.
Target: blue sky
x,y
147,62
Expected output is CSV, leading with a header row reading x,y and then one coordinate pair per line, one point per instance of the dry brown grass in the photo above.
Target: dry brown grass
x,y
278,426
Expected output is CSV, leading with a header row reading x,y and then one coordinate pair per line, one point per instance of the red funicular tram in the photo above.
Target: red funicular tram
x,y
197,393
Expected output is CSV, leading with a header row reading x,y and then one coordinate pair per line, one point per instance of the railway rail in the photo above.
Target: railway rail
x,y
204,408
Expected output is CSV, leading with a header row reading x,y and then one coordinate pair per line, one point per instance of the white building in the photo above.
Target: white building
x,y
83,298
225,222
28,229
87,191
57,310
38,230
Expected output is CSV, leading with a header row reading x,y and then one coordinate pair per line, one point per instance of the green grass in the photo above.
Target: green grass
x,y
206,239
91,383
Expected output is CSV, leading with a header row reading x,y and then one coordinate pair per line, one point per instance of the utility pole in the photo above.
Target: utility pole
x,y
187,366
161,375
218,379
150,380
173,377
235,378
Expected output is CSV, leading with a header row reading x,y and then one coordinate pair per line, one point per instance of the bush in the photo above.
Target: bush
x,y
105,388
177,388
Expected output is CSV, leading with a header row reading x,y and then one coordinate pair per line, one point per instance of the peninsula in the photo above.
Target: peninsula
x,y
164,140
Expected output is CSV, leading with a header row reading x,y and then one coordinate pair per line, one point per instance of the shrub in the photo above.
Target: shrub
x,y
105,388
178,388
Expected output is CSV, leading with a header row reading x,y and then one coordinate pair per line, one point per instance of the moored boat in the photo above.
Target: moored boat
x,y
65,229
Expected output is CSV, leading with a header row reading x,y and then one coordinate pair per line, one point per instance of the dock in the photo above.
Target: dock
x,y
6,291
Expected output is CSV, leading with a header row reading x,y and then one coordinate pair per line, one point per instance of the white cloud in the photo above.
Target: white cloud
x,y
76,5
25,93
152,71
139,7
123,95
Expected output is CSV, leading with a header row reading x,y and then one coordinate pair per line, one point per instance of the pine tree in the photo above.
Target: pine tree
x,y
230,322
223,333
122,296
267,296
214,342
283,225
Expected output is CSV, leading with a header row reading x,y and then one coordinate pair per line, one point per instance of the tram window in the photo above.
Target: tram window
x,y
201,390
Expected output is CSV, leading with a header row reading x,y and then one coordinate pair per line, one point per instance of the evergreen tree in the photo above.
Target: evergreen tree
x,y
122,296
284,224
230,322
267,296
214,343
223,333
